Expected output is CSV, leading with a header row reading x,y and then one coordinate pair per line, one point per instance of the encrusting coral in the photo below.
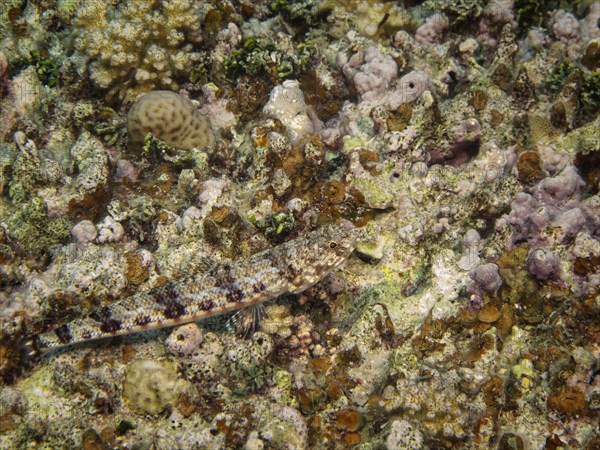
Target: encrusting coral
x,y
151,386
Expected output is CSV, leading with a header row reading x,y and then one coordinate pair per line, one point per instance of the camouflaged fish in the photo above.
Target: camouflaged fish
x,y
288,268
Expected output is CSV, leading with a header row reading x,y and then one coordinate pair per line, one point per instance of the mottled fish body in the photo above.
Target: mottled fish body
x,y
288,268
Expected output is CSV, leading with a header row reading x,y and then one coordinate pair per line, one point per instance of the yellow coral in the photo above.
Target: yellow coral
x,y
153,37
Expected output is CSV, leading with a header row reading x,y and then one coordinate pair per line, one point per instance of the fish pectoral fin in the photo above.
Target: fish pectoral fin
x,y
247,320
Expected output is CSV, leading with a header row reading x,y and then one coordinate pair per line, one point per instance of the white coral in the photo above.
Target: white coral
x,y
287,104
84,231
564,26
110,230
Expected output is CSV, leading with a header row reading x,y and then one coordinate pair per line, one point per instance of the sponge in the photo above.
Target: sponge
x,y
171,118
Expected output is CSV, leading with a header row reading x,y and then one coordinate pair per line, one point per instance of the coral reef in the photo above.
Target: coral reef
x,y
461,139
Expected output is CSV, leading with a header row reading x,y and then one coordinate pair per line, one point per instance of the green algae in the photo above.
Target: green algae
x,y
35,232
276,225
300,12
46,68
262,58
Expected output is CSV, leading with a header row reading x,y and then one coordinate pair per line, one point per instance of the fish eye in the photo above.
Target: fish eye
x,y
332,244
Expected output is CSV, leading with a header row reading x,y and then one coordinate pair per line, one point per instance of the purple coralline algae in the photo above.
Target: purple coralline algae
x,y
544,264
430,31
561,190
487,277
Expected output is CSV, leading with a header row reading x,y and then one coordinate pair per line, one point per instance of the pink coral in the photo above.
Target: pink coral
x,y
374,76
432,29
564,26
